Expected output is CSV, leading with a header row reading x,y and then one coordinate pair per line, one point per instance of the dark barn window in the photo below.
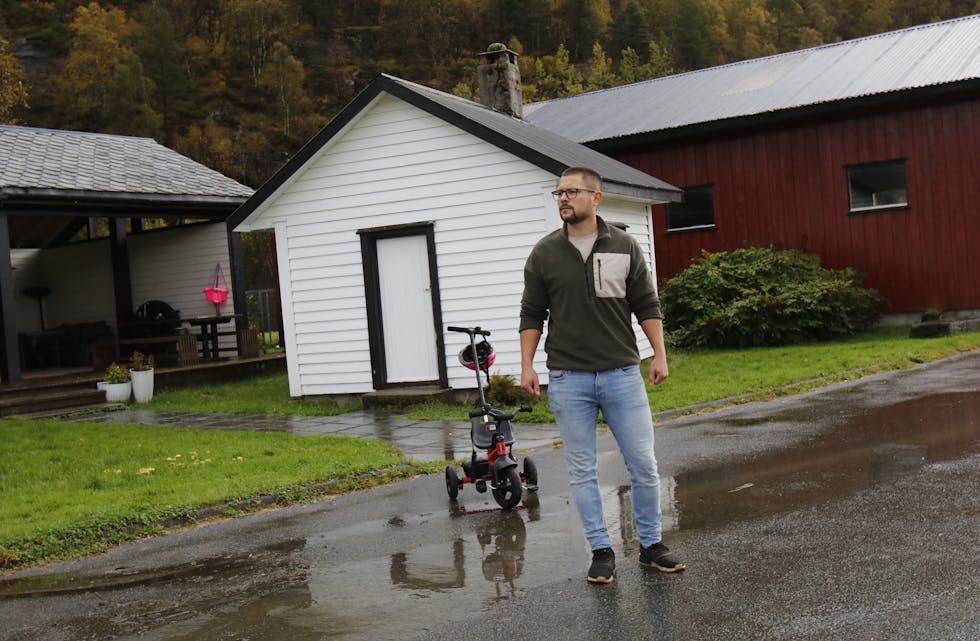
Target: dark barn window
x,y
880,185
697,211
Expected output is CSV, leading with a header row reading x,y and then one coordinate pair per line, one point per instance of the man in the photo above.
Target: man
x,y
588,279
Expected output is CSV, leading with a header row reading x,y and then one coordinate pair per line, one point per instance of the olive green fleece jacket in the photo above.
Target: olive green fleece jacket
x,y
588,305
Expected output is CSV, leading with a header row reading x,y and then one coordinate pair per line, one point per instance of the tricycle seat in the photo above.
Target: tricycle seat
x,y
482,432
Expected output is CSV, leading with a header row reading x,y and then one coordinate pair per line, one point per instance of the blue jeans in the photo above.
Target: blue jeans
x,y
576,398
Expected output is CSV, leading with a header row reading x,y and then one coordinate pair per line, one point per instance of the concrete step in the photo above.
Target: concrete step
x,y
404,396
24,402
71,411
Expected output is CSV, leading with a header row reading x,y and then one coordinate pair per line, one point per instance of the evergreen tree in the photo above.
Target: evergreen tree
x,y
694,46
661,62
163,57
601,74
629,29
579,27
557,77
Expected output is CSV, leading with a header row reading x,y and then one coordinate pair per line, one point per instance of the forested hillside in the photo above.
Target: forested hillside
x,y
240,85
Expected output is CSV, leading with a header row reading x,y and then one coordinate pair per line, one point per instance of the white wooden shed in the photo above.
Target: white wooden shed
x,y
414,210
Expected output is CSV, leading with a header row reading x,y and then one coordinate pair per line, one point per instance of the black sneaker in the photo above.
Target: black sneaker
x,y
658,556
603,566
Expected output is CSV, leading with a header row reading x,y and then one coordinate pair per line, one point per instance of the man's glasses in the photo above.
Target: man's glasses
x,y
571,193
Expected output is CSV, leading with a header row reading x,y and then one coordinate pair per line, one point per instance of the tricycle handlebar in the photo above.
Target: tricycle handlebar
x,y
499,415
469,330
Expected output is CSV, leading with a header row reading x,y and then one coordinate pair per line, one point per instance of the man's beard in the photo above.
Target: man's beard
x,y
571,218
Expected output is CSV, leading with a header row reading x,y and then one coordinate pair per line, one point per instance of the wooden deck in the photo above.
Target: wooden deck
x,y
64,390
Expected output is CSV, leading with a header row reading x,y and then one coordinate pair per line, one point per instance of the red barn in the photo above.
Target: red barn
x,y
864,152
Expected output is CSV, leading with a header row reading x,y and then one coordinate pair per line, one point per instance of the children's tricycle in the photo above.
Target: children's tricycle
x,y
492,462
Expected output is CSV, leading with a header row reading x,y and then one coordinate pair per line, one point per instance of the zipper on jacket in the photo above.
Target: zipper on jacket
x,y
598,262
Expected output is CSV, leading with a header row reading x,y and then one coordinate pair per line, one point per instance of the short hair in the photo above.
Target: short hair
x,y
590,176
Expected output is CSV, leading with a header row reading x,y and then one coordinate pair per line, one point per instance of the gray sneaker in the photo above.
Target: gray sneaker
x,y
658,556
603,566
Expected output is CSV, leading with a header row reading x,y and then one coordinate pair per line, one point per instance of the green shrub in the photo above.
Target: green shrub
x,y
503,390
755,297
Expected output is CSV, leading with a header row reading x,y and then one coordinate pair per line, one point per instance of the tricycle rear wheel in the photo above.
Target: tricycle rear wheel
x,y
452,482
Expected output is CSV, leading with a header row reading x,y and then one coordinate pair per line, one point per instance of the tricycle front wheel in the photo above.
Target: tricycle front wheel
x,y
508,490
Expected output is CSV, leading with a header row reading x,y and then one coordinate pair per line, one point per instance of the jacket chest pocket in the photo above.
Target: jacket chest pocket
x,y
609,273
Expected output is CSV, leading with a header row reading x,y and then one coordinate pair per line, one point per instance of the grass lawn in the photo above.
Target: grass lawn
x,y
72,489
262,395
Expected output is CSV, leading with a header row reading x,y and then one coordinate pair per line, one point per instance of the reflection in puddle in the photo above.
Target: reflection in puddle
x,y
501,536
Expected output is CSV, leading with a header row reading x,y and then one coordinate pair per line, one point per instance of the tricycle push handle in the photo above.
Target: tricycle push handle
x,y
469,330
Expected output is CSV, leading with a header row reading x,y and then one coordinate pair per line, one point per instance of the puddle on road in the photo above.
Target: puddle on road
x,y
860,452
447,566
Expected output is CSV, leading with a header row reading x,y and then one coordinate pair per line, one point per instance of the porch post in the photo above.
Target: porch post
x,y
10,363
236,256
121,281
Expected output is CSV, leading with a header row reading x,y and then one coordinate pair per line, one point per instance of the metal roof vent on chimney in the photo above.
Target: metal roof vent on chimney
x,y
499,80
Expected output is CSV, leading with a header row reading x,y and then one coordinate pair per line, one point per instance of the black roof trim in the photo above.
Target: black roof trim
x,y
71,202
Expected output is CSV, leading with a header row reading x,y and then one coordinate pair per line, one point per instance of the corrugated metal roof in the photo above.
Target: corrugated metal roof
x,y
928,55
54,160
563,152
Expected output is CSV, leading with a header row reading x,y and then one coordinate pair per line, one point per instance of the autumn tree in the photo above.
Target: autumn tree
x,y
283,79
13,86
251,28
102,85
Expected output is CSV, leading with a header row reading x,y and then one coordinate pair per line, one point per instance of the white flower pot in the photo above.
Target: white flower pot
x,y
142,385
118,392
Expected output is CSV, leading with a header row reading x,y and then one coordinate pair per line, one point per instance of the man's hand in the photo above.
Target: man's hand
x,y
658,369
529,345
529,381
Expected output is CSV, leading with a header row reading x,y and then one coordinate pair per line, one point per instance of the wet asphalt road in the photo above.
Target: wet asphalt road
x,y
852,513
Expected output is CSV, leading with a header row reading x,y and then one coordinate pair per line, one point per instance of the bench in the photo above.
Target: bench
x,y
181,348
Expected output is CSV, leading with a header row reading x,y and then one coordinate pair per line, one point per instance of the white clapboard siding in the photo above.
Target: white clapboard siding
x,y
27,272
395,164
84,293
398,165
175,264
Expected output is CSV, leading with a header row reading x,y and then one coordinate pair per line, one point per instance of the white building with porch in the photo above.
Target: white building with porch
x,y
77,260
412,211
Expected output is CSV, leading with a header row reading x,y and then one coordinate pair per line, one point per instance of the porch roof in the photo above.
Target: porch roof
x,y
47,174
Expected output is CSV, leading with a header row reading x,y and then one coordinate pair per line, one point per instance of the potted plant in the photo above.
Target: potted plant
x,y
117,385
141,374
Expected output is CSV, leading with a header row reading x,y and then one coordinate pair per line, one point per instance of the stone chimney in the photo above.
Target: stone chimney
x,y
499,80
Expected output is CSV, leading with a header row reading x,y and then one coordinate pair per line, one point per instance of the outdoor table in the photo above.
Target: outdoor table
x,y
209,332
